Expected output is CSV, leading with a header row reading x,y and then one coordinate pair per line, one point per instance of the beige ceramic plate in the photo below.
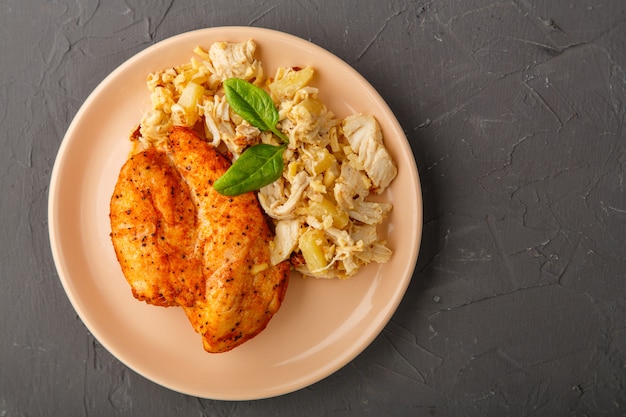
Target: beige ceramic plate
x,y
322,324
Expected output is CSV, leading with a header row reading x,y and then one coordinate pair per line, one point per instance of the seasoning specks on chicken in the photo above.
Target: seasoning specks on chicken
x,y
243,289
180,242
153,229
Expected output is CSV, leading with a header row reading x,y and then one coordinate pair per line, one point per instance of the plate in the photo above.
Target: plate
x,y
322,324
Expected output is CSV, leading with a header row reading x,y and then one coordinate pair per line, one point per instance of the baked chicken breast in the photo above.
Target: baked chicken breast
x,y
180,242
153,229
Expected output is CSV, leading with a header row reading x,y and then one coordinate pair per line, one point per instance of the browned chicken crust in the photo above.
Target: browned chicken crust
x,y
180,242
153,229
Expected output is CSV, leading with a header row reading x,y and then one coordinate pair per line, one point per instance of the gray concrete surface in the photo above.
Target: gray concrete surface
x,y
515,112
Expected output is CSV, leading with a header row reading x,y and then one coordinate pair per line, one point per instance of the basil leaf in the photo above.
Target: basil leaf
x,y
257,167
261,164
253,104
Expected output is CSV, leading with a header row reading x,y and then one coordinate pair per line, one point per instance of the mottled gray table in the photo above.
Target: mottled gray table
x,y
515,112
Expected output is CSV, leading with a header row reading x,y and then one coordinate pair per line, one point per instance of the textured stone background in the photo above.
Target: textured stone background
x,y
515,112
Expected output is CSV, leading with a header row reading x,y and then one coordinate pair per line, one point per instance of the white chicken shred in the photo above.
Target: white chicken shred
x,y
323,220
366,140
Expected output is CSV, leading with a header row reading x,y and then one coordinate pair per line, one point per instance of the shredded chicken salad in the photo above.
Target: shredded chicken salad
x,y
323,220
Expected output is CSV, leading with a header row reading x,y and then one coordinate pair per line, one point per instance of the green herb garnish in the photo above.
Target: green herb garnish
x,y
253,104
258,166
261,164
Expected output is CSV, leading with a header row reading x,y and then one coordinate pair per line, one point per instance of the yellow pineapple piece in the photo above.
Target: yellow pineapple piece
x,y
190,97
325,207
310,244
292,81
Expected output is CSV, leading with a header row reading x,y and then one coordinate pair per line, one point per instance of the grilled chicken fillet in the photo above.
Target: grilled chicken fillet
x,y
216,264
153,229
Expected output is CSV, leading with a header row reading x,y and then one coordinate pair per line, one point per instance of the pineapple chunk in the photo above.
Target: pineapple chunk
x,y
326,208
292,170
310,244
190,97
313,105
323,161
292,81
329,178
